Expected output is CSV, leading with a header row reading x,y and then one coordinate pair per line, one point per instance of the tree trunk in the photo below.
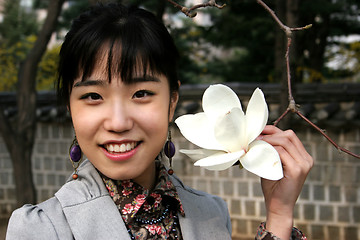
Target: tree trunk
x,y
20,137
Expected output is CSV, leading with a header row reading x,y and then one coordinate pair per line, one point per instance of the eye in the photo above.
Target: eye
x,y
91,96
142,94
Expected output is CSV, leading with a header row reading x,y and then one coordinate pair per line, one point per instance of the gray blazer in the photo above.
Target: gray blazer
x,y
83,209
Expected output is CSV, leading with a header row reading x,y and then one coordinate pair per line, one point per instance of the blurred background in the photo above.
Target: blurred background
x,y
239,45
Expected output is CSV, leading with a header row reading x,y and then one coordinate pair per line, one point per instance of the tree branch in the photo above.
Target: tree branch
x,y
293,107
341,149
190,11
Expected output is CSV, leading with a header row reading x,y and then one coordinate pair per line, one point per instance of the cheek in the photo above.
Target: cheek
x,y
85,123
155,119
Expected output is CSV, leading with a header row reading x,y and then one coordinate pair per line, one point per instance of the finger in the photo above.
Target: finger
x,y
294,174
300,147
296,158
282,139
287,160
289,134
271,129
296,141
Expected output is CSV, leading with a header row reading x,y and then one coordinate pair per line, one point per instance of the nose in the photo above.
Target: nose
x,y
118,118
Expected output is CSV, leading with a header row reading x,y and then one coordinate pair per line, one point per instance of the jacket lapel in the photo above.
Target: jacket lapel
x,y
92,214
205,218
89,210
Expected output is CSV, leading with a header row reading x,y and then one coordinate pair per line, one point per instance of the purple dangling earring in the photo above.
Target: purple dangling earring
x,y
75,156
169,150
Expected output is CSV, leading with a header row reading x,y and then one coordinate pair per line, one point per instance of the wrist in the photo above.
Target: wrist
x,y
280,225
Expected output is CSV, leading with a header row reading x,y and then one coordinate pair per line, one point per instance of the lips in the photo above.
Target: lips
x,y
120,147
120,152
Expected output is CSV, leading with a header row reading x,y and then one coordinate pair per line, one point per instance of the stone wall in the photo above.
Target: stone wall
x,y
329,205
328,208
51,166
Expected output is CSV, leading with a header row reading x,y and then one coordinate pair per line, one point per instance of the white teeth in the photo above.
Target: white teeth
x,y
117,148
129,146
120,148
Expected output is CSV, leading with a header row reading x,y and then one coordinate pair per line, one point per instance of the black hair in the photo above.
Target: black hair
x,y
135,38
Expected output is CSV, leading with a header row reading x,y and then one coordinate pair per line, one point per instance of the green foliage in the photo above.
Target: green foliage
x,y
17,23
244,35
238,46
11,58
67,15
245,31
355,54
330,20
17,36
8,71
187,39
40,4
47,71
348,57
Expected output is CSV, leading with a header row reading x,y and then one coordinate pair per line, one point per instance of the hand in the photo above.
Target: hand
x,y
280,196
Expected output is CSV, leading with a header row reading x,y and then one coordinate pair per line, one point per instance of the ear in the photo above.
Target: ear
x,y
174,98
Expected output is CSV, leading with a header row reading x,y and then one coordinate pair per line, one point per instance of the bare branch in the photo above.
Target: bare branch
x,y
292,104
292,107
282,116
272,13
326,136
287,59
285,28
190,11
301,28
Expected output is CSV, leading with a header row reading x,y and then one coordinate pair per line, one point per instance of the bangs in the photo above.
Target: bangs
x,y
124,59
127,41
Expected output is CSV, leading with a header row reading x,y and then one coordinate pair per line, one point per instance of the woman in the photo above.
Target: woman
x,y
118,78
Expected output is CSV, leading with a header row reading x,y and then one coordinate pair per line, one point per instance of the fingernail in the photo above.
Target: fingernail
x,y
260,137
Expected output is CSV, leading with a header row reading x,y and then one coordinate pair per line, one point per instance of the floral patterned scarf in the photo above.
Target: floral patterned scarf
x,y
148,215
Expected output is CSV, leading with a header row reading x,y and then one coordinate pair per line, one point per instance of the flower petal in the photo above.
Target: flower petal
x,y
219,161
197,154
256,115
230,131
263,160
218,100
197,129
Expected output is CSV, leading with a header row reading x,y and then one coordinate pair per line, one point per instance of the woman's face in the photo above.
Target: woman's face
x,y
121,128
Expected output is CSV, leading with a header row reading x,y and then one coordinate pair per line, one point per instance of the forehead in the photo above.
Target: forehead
x,y
99,80
112,62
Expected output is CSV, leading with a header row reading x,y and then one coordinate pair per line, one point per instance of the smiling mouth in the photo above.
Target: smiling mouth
x,y
120,148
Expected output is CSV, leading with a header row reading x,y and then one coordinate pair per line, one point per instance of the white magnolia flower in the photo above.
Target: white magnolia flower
x,y
227,135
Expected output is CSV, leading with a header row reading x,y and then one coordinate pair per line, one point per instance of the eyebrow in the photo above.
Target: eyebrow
x,y
90,82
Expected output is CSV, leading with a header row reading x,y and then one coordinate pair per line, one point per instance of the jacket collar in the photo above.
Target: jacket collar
x,y
92,214
89,210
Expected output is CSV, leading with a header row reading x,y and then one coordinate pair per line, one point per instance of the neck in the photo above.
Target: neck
x,y
148,178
